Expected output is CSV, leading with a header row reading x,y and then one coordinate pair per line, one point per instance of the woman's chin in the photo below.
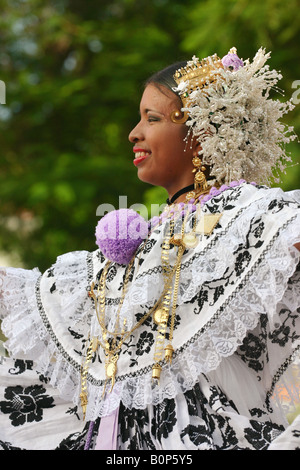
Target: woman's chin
x,y
147,177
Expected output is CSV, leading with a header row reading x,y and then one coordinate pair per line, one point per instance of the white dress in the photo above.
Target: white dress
x,y
234,379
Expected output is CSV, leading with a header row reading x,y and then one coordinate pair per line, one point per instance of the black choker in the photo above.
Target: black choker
x,y
179,193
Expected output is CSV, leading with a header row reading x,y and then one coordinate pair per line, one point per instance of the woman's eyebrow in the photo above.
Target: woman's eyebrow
x,y
148,110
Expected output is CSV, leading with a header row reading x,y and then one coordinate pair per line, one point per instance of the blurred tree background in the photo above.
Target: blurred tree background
x,y
74,73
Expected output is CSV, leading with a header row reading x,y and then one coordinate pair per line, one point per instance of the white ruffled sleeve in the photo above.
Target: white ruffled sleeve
x,y
18,307
27,300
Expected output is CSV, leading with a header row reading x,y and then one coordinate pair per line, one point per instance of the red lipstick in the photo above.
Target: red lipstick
x,y
140,155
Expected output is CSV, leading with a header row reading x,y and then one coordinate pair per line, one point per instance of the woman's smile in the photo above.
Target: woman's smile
x,y
140,155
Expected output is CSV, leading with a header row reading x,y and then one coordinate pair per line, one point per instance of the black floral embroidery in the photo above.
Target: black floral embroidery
x,y
53,288
217,396
202,297
133,425
164,419
276,205
112,271
198,435
8,446
100,256
144,343
258,231
242,261
259,412
20,366
43,378
218,292
286,330
192,403
76,441
50,272
25,404
252,350
207,428
261,434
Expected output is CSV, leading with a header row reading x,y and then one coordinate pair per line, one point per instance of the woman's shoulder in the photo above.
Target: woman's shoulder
x,y
243,197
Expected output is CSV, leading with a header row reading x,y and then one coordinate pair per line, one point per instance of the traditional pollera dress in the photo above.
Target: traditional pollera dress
x,y
234,379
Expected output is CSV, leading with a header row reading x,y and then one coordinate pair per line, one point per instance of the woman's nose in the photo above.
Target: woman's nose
x,y
136,134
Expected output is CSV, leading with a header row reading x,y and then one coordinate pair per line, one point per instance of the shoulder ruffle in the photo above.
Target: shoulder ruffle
x,y
33,332
17,301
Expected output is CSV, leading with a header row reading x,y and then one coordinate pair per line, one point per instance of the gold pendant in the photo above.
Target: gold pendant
x,y
190,195
160,316
156,370
111,370
207,223
83,402
190,240
169,353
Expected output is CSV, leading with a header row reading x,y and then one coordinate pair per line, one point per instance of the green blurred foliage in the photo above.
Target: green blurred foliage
x,y
74,74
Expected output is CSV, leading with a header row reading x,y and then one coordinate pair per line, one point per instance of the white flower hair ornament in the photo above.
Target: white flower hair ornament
x,y
231,114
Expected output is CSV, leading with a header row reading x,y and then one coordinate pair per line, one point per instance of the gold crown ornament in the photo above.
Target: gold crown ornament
x,y
196,75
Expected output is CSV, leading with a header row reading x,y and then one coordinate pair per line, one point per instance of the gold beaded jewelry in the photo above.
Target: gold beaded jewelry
x,y
112,349
163,313
112,341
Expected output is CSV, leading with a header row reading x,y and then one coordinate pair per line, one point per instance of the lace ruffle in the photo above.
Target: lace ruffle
x,y
30,330
21,322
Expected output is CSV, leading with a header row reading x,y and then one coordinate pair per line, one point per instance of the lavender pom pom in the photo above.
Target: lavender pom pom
x,y
119,233
232,60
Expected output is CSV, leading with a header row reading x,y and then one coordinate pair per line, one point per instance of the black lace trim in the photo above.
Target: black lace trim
x,y
49,329
45,320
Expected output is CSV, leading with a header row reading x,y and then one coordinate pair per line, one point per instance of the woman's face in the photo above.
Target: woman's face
x,y
162,156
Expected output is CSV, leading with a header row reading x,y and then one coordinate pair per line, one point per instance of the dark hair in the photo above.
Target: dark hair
x,y
165,77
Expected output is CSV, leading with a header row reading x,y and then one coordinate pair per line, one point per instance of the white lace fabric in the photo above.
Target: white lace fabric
x,y
49,318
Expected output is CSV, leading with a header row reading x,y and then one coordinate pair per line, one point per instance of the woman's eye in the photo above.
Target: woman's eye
x,y
153,119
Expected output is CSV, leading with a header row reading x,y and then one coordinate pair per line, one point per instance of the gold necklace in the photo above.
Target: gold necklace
x,y
160,310
111,354
161,316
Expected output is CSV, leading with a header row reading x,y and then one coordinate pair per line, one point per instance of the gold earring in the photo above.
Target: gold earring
x,y
200,183
179,117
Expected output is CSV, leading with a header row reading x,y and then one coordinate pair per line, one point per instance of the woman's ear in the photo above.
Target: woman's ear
x,y
197,149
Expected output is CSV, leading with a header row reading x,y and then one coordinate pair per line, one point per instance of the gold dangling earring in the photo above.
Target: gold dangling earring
x,y
200,183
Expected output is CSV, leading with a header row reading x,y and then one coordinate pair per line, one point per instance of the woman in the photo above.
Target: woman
x,y
184,336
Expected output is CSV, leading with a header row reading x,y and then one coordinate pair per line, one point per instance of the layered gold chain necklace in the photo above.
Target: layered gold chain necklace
x,y
112,341
164,311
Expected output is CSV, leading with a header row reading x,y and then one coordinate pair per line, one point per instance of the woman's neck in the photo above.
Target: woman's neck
x,y
180,195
